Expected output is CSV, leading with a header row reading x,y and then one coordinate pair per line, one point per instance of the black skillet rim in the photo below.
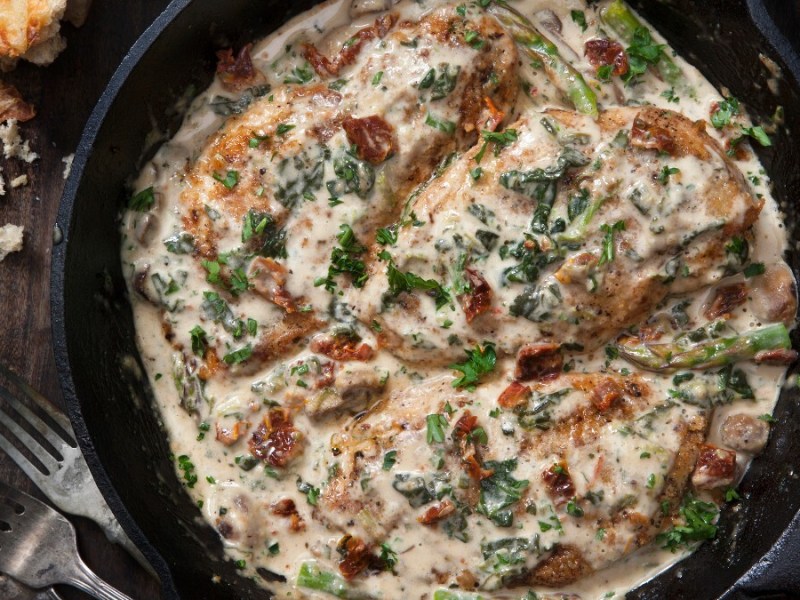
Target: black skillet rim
x,y
773,568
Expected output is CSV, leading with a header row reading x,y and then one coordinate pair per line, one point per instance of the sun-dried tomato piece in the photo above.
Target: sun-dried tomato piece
x,y
479,297
516,394
494,116
236,72
474,468
356,556
602,53
464,426
230,435
287,508
212,365
342,348
539,362
276,441
268,277
284,507
326,67
372,136
12,105
559,483
725,300
437,512
776,356
652,137
606,391
715,468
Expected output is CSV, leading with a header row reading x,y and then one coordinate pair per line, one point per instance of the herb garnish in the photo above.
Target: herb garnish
x,y
444,125
579,18
400,282
480,361
499,491
142,201
344,260
608,252
699,517
229,180
501,139
435,425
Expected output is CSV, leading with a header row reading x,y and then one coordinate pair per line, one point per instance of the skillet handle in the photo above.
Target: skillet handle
x,y
779,21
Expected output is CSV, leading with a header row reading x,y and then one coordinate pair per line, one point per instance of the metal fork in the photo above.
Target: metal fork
x,y
38,547
62,475
13,590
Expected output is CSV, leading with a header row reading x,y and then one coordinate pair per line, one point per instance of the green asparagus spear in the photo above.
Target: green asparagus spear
x,y
455,595
312,577
538,47
620,18
714,353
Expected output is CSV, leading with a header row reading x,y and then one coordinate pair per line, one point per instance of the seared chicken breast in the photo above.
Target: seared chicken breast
x,y
562,229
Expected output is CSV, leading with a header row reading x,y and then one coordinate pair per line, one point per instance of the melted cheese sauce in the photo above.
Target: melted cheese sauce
x,y
333,403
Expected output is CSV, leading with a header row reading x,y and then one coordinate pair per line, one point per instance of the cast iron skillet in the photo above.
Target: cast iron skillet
x,y
109,399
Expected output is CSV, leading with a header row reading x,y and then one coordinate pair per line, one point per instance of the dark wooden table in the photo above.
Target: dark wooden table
x,y
64,94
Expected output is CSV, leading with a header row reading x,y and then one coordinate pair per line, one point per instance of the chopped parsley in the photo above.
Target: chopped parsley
x,y
238,356
400,282
574,509
440,83
389,460
698,517
312,493
480,362
143,201
666,172
376,79
435,425
199,340
284,128
344,259
501,139
641,53
579,18
608,251
386,236
229,180
302,74
186,465
473,39
388,557
754,269
499,491
725,110
444,125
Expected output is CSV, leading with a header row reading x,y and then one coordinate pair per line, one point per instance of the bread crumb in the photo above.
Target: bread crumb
x,y
19,181
30,30
13,146
10,239
67,160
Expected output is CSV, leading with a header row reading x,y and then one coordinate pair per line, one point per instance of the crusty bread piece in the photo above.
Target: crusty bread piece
x,y
12,105
29,29
10,239
77,11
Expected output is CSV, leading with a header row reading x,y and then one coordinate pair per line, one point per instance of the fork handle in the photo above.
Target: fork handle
x,y
85,579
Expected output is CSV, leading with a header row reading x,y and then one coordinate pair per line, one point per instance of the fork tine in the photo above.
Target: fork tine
x,y
56,442
60,419
42,454
31,469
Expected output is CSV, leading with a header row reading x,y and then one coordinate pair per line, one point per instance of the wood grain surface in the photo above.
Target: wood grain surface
x,y
64,94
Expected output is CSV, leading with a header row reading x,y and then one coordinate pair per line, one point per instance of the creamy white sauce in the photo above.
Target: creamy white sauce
x,y
238,501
